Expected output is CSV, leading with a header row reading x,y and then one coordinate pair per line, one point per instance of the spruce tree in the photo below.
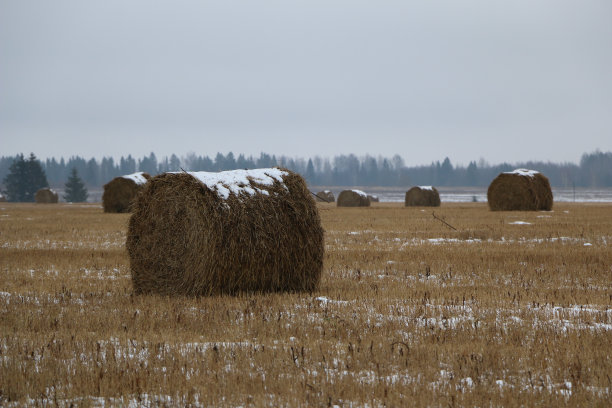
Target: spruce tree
x,y
25,178
75,189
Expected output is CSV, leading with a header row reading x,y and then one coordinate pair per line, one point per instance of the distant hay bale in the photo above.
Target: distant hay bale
x,y
373,198
119,193
46,196
200,234
422,196
2,199
520,190
325,196
353,198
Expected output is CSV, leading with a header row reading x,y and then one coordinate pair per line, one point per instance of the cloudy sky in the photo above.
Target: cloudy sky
x,y
500,80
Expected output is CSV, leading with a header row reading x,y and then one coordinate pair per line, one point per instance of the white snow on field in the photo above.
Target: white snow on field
x,y
324,300
519,223
240,182
523,172
137,178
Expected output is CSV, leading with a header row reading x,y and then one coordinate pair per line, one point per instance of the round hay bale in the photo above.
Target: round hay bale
x,y
46,196
119,193
2,199
422,196
373,198
325,196
353,198
520,190
200,234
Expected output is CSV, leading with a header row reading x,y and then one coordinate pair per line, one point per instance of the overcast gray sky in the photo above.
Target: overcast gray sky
x,y
502,80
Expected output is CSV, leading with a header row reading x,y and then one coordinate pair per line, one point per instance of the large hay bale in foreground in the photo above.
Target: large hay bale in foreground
x,y
205,233
353,198
325,196
46,196
373,198
120,192
520,190
422,196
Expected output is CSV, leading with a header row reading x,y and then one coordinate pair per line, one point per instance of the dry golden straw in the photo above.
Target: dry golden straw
x,y
520,190
186,237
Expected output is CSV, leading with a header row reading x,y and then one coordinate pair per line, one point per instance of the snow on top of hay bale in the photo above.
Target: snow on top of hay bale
x,y
523,172
430,188
137,178
361,193
240,182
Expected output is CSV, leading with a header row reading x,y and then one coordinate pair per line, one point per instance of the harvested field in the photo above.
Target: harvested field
x,y
513,308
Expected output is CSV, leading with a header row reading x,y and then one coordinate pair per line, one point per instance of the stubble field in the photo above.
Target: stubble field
x,y
511,308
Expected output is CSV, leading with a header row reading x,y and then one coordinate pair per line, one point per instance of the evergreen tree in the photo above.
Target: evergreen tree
x,y
24,179
75,188
310,172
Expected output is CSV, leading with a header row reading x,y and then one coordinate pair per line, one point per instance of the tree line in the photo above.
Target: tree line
x,y
594,169
26,176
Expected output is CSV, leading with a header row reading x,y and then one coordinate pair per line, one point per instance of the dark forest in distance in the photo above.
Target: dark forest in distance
x,y
594,169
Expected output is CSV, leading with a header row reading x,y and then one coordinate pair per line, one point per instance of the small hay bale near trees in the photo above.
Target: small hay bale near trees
x,y
200,234
422,196
120,192
325,196
353,198
25,178
520,190
373,198
46,196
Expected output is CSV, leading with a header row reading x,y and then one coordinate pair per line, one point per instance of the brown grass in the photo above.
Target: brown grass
x,y
409,313
183,239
